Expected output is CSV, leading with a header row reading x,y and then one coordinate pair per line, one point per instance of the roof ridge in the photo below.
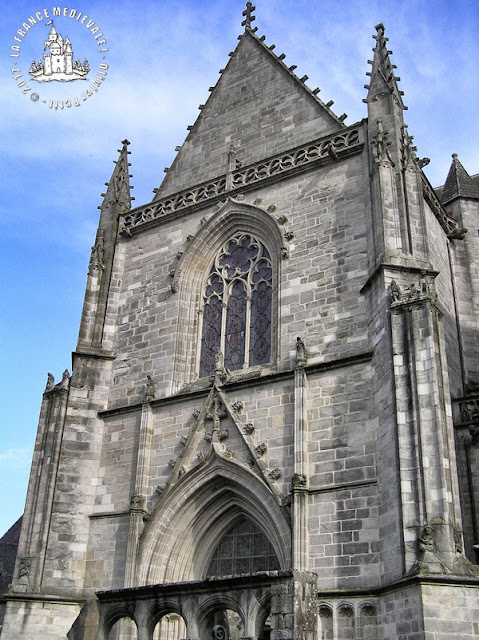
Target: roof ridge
x,y
290,70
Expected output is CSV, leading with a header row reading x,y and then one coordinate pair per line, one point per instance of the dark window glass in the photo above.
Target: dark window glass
x,y
244,549
237,306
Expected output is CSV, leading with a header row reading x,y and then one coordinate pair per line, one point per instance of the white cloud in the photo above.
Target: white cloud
x,y
15,459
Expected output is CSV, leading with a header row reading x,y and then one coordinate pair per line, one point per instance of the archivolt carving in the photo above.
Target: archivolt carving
x,y
182,533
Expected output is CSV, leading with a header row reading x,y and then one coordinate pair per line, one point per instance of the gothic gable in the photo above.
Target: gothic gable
x,y
255,85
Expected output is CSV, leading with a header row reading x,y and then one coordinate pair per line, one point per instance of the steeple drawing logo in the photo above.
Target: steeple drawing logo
x,y
57,63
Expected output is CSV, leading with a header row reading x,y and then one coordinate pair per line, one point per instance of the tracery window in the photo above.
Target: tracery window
x,y
237,306
244,549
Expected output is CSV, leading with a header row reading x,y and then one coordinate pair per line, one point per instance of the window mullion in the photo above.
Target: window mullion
x,y
247,333
226,292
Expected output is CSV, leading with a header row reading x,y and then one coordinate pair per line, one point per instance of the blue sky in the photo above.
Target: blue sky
x,y
163,55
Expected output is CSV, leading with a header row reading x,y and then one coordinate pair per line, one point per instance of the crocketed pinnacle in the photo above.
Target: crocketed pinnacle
x,y
118,191
382,73
459,183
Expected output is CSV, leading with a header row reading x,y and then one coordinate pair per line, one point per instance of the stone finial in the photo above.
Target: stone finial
x,y
50,382
300,353
395,291
150,390
65,383
248,14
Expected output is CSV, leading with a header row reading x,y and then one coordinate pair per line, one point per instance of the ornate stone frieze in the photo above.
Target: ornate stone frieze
x,y
345,143
449,225
300,157
416,291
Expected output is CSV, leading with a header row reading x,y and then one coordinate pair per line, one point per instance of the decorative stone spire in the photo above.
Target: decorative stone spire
x,y
118,191
116,200
248,14
383,80
459,183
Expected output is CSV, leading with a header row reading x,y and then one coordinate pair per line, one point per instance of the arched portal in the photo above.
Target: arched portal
x,y
171,626
181,536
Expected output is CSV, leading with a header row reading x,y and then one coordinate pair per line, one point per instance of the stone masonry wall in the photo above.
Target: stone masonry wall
x,y
318,289
251,90
438,246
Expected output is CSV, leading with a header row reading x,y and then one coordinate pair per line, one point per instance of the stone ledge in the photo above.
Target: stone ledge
x,y
234,385
326,150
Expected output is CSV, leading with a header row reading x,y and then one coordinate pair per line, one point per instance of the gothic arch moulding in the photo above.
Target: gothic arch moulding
x,y
194,268
182,533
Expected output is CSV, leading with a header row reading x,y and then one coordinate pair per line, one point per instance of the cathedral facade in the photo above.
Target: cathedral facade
x,y
271,430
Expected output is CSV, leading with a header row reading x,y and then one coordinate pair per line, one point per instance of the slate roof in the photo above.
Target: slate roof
x,y
459,183
13,534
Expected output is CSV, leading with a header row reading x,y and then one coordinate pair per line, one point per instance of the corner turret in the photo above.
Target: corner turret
x,y
459,184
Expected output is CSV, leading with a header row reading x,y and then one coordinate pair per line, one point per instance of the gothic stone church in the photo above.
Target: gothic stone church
x,y
271,430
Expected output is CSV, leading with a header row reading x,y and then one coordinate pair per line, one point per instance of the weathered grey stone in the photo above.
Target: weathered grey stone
x,y
352,448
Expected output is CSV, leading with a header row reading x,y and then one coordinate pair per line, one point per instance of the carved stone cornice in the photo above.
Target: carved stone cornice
x,y
450,226
344,143
421,292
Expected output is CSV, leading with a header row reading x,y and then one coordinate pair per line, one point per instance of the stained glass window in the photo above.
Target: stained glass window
x,y
244,549
237,306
